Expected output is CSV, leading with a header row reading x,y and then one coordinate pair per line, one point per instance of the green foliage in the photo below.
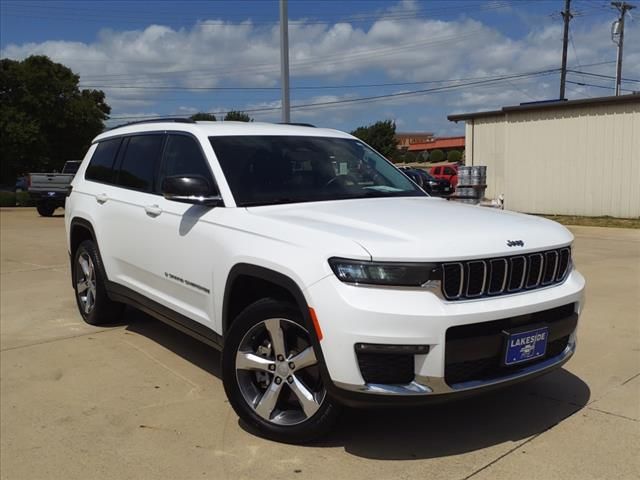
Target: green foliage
x,y
7,199
436,156
45,119
454,156
237,116
13,199
380,135
23,199
208,117
410,157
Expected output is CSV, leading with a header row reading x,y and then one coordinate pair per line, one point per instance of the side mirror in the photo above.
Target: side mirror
x,y
193,189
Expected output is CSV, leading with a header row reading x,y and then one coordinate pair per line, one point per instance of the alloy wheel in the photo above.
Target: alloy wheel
x,y
278,373
86,282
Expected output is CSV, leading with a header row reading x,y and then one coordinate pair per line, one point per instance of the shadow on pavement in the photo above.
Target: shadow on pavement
x,y
462,426
407,433
202,356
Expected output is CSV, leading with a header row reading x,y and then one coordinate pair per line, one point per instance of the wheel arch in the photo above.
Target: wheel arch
x,y
274,284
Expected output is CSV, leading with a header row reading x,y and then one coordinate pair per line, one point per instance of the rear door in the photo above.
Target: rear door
x,y
131,205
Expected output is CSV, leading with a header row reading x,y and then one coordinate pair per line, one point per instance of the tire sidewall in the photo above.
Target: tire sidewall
x,y
102,311
306,431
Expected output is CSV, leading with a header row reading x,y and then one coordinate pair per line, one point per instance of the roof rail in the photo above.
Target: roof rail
x,y
297,124
155,120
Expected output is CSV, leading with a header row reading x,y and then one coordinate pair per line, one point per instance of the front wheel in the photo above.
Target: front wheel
x,y
272,376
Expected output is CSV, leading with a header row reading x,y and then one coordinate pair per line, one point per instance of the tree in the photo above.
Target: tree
x,y
237,116
45,119
207,117
410,157
380,135
436,155
454,156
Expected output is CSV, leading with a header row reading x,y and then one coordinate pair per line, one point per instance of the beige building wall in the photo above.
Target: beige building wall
x,y
571,161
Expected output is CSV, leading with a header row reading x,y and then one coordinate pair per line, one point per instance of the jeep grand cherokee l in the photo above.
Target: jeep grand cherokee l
x,y
298,252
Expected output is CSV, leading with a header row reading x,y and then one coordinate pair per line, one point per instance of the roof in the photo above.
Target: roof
x,y
210,129
414,134
554,105
442,142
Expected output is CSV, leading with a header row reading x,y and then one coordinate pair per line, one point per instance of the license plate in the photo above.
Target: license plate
x,y
526,346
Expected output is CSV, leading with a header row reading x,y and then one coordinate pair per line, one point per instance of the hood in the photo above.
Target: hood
x,y
419,228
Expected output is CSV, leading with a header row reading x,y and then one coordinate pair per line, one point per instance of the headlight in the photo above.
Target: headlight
x,y
384,273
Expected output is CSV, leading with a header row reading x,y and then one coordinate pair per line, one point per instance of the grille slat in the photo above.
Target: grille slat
x,y
550,267
498,276
504,275
534,272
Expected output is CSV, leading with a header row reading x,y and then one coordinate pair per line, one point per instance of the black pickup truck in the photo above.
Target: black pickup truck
x,y
49,190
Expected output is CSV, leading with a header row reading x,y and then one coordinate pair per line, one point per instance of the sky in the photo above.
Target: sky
x,y
352,62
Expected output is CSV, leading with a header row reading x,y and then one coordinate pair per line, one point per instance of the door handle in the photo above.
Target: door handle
x,y
101,198
153,210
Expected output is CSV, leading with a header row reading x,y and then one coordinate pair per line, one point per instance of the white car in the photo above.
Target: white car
x,y
323,273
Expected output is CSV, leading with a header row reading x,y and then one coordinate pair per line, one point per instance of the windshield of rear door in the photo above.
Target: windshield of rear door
x,y
268,170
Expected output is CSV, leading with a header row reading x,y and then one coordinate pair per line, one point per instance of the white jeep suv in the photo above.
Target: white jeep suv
x,y
323,273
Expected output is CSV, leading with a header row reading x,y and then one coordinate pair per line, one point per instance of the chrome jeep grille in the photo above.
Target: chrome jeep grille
x,y
504,275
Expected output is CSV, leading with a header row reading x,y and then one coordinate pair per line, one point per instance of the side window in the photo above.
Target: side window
x,y
182,156
449,171
138,167
100,167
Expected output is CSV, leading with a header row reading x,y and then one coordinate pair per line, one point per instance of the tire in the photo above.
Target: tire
x,y
89,278
45,210
253,373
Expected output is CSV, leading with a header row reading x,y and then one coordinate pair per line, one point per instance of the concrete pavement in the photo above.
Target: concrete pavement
x,y
140,400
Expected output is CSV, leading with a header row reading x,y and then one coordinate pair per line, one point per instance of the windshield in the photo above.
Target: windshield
x,y
267,170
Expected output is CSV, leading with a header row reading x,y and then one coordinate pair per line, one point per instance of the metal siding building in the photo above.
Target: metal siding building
x,y
579,157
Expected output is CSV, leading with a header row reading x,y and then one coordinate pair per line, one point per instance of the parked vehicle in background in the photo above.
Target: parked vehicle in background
x,y
433,186
446,172
323,273
49,190
413,175
437,187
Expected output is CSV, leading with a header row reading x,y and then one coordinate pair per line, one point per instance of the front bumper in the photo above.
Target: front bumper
x,y
349,315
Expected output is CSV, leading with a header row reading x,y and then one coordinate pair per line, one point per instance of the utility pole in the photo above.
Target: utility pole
x,y
617,29
284,61
566,16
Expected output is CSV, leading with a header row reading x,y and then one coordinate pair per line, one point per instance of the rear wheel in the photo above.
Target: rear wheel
x,y
45,210
272,376
89,279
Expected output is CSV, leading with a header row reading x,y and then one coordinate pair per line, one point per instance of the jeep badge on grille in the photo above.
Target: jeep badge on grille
x,y
515,243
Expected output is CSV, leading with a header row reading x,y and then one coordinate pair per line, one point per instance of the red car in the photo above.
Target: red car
x,y
446,172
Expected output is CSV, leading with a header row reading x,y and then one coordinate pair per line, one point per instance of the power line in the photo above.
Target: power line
x,y
320,87
604,76
584,84
374,98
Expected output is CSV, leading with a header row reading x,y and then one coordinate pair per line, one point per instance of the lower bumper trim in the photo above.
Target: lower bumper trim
x,y
436,386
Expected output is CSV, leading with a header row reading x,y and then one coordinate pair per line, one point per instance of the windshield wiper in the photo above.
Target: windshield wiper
x,y
271,201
